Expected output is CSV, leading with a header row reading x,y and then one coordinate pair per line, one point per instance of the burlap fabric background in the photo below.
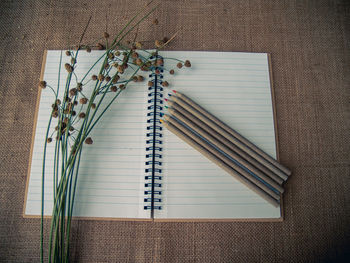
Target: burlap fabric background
x,y
309,43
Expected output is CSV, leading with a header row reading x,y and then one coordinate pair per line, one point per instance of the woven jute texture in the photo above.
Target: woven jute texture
x,y
309,45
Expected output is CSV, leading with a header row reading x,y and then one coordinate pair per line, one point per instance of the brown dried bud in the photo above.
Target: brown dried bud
x,y
150,83
75,103
106,66
68,67
101,77
108,79
160,62
110,56
134,78
157,71
122,86
120,69
138,45
83,100
68,53
158,43
74,113
117,53
134,55
82,115
93,105
179,65
140,78
88,49
187,63
94,77
79,86
100,46
155,21
172,72
115,79
144,68
49,140
65,120
89,140
73,92
114,88
43,84
55,114
165,84
58,101
105,35
139,62
71,128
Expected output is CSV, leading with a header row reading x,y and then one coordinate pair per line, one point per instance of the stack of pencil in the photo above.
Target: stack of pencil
x,y
225,147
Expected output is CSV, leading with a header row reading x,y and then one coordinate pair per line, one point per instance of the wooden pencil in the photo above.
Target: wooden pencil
x,y
178,132
226,142
232,135
205,134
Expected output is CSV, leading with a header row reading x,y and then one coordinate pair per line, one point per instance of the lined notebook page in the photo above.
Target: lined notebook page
x,y
234,87
111,175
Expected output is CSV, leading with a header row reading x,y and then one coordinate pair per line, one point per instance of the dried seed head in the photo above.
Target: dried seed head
x,y
58,101
83,100
94,77
108,79
75,103
106,66
140,78
117,53
157,71
122,86
71,128
65,120
150,83
101,77
88,140
68,67
74,113
115,79
134,55
165,84
105,35
43,84
139,62
73,92
179,65
93,105
49,140
68,53
172,72
82,115
100,46
134,78
120,69
114,88
138,45
187,63
88,49
144,68
110,56
155,21
160,62
55,114
158,43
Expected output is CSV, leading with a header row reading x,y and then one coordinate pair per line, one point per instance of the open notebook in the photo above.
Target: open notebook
x,y
116,172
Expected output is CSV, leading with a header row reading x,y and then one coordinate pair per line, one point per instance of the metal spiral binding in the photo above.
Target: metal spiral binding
x,y
153,170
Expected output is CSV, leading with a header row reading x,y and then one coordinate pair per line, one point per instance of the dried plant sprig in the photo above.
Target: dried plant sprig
x,y
77,115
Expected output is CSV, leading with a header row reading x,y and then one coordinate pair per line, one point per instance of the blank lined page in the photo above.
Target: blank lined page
x,y
111,181
234,87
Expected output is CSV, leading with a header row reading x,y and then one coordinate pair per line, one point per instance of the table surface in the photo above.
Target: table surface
x,y
309,45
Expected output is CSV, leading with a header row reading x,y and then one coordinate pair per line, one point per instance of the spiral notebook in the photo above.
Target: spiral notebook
x,y
136,170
